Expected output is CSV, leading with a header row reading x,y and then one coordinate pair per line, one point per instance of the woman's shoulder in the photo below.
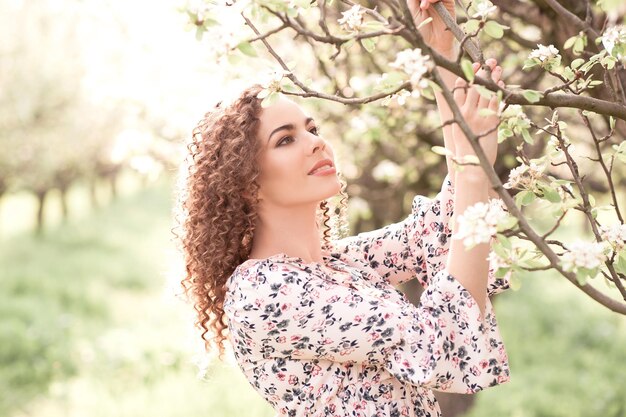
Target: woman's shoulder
x,y
260,270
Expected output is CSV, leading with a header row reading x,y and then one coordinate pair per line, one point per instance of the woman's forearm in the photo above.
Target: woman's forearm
x,y
445,113
470,266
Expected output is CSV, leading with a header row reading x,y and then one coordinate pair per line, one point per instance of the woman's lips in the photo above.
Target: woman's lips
x,y
325,170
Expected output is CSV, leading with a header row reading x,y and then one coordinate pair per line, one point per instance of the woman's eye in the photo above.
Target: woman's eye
x,y
315,130
284,140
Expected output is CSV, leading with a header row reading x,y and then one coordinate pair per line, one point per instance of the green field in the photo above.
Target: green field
x,y
89,327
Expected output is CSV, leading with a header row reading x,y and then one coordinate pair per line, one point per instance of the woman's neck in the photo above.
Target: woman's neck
x,y
292,231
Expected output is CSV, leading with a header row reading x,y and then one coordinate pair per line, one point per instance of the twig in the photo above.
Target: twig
x,y
307,92
469,45
604,167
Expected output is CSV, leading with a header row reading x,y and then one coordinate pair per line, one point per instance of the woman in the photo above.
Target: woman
x,y
316,324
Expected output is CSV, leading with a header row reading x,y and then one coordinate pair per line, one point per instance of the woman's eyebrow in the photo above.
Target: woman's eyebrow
x,y
289,126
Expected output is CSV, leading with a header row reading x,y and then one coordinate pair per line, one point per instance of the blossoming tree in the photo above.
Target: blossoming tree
x,y
562,110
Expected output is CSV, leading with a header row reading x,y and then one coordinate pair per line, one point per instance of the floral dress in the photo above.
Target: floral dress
x,y
337,339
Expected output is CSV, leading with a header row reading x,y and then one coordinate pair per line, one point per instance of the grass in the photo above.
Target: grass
x,y
88,328
566,354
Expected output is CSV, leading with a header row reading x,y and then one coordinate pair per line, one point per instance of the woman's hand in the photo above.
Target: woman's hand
x,y
470,102
435,33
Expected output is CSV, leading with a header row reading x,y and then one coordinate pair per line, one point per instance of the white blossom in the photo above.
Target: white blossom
x,y
479,222
614,235
415,64
581,254
524,176
548,56
496,262
556,144
272,79
514,110
483,9
612,36
564,194
352,20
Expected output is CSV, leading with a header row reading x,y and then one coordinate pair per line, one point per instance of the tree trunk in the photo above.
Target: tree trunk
x,y
64,205
93,193
41,200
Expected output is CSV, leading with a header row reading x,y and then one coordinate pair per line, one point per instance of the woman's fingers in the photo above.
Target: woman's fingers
x,y
472,94
496,72
425,3
460,91
494,102
470,98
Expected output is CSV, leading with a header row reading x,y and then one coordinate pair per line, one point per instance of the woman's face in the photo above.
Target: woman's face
x,y
291,148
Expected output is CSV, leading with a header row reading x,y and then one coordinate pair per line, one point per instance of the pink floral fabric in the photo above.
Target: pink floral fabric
x,y
337,339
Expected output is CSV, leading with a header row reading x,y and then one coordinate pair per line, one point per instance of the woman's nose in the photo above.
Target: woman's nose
x,y
317,143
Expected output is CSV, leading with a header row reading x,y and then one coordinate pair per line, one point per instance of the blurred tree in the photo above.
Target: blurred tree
x,y
52,133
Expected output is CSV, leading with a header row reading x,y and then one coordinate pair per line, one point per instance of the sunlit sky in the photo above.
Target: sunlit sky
x,y
138,50
159,63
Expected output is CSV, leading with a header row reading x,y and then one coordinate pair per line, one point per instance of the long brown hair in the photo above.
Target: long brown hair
x,y
217,207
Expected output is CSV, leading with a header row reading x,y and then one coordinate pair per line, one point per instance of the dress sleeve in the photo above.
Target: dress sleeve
x,y
416,247
276,310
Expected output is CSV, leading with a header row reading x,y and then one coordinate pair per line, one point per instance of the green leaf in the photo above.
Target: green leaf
x,y
425,22
527,137
427,93
369,44
501,272
494,29
532,96
579,46
514,282
620,265
484,91
468,71
529,63
471,26
470,159
374,25
200,32
568,43
581,277
508,223
612,122
577,63
592,200
433,85
263,93
440,150
270,99
234,59
504,241
550,193
208,22
247,49
524,198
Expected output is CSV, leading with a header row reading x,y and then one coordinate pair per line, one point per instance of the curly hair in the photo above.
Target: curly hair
x,y
217,208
